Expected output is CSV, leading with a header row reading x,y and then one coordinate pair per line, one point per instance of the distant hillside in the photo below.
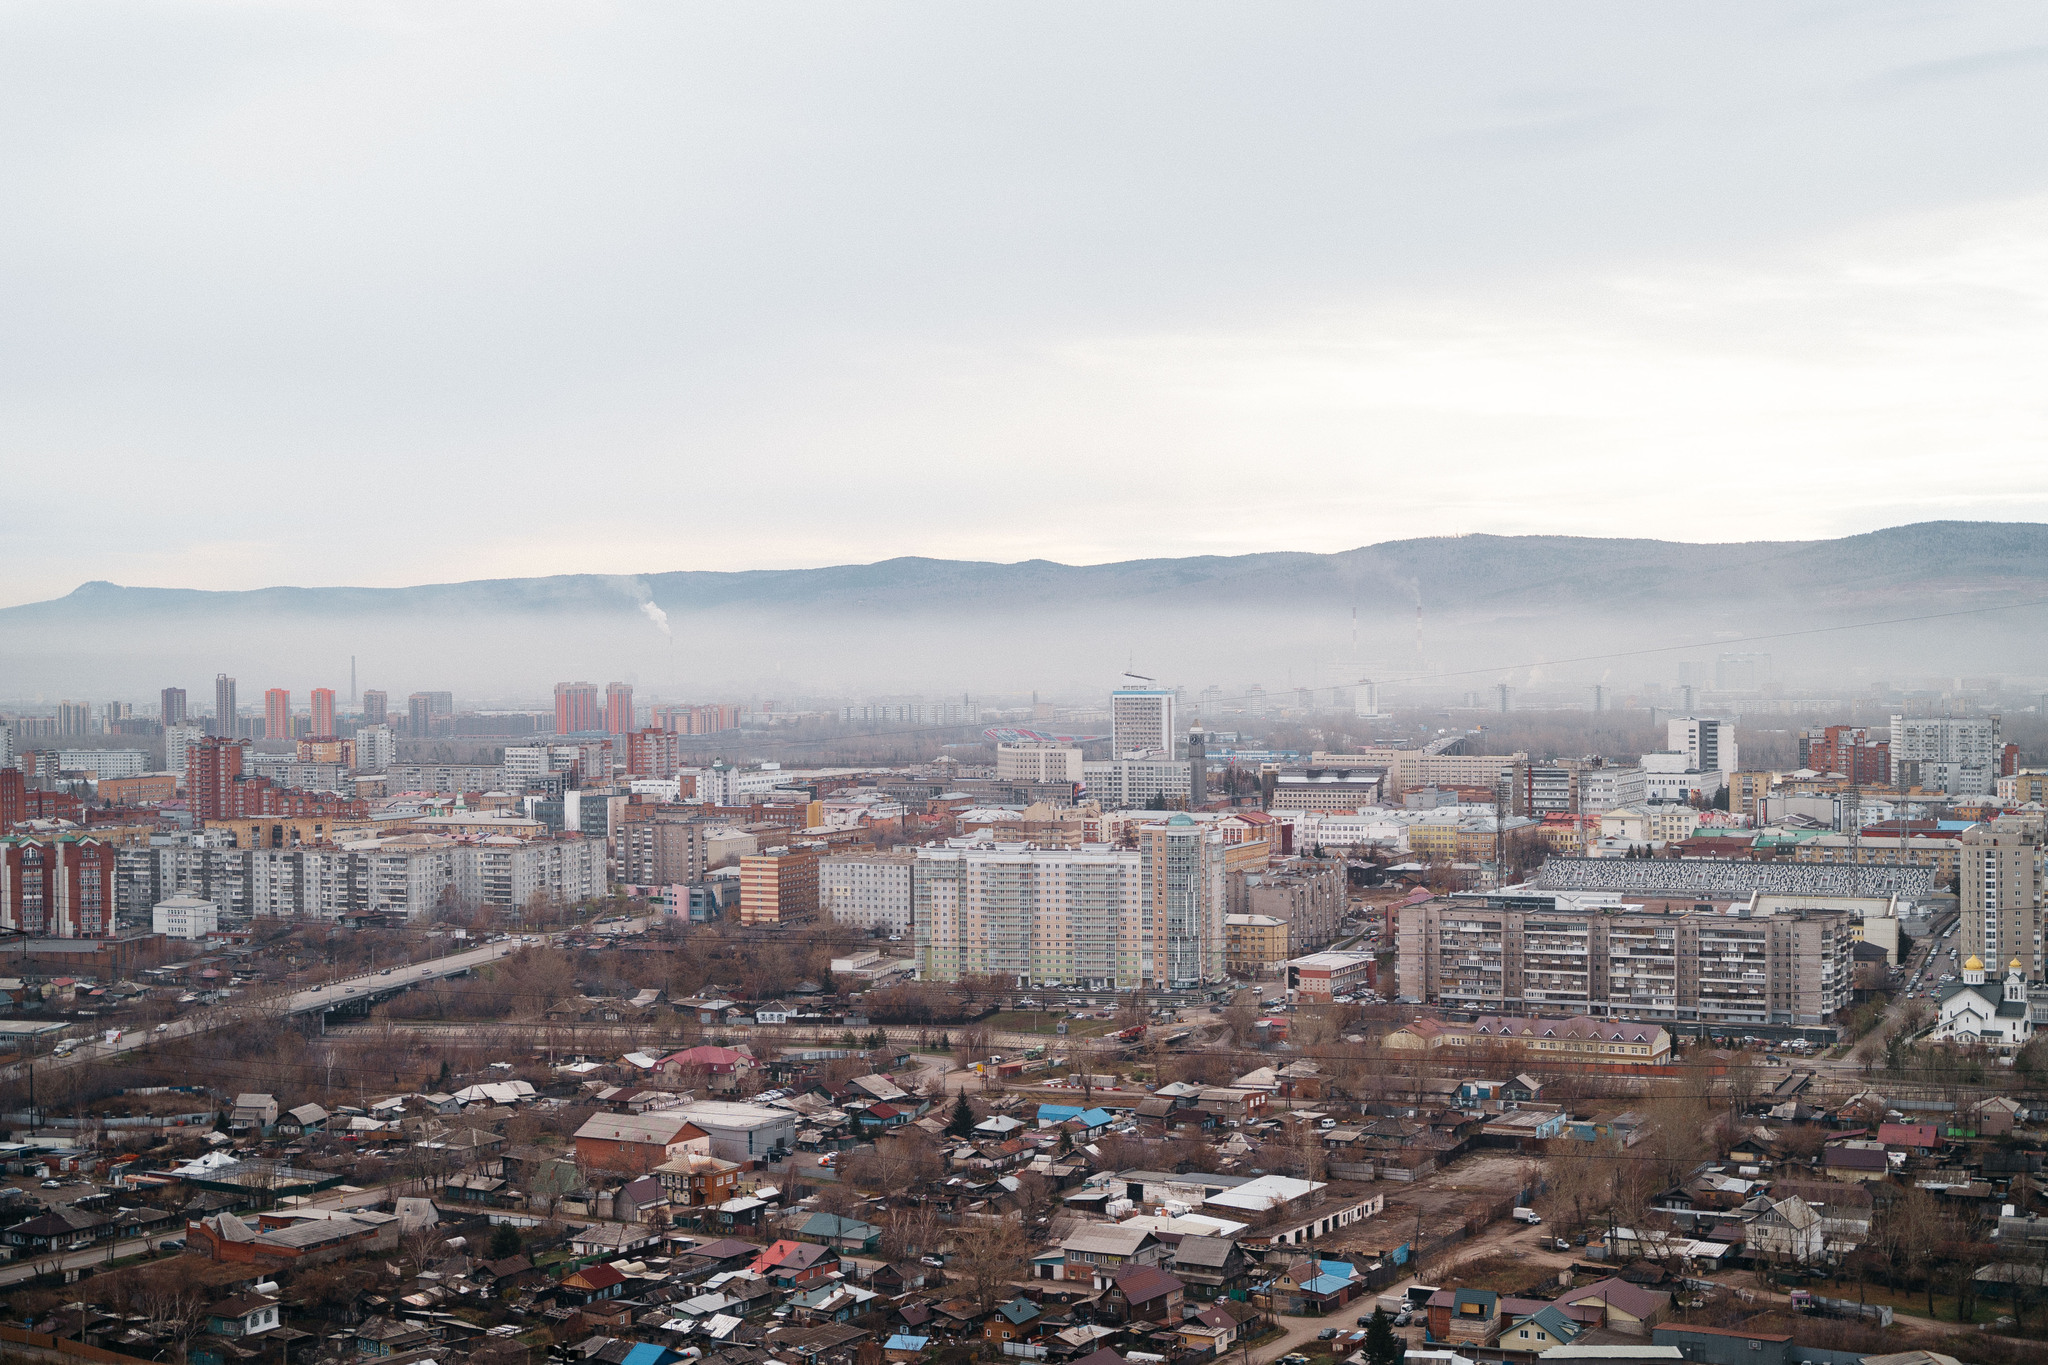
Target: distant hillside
x,y
928,624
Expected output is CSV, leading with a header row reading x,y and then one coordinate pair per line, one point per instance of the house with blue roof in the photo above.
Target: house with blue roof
x,y
1095,1120
1316,1286
903,1348
842,1233
647,1353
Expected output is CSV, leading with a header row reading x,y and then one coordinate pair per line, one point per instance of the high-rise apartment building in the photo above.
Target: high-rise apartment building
x,y
419,715
1708,745
13,798
1035,915
1307,895
2000,884
1141,721
575,708
779,886
440,704
224,706
375,748
277,713
57,886
1184,890
661,847
1551,788
1038,763
74,719
323,712
1953,755
1847,749
211,767
618,708
1517,952
870,891
653,752
376,706
178,741
699,720
172,706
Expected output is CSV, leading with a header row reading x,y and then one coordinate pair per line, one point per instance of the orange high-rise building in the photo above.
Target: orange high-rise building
x,y
575,707
277,713
618,708
323,711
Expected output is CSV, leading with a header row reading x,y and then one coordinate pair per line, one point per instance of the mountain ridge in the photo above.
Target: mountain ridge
x,y
1448,560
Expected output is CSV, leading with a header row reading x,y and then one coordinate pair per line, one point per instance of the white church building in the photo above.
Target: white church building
x,y
1990,1015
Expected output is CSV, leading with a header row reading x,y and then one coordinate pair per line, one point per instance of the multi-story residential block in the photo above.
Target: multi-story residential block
x,y
661,846
1306,894
618,708
1551,788
2029,786
2000,889
1251,943
1949,754
653,752
1184,890
872,891
1035,915
449,778
419,715
513,874
1138,783
1850,750
1749,792
376,707
1708,745
376,747
1520,951
576,710
779,886
1603,789
57,886
277,713
105,762
323,711
1038,763
171,707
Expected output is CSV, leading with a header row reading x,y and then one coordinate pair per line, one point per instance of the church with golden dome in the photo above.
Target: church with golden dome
x,y
1986,1014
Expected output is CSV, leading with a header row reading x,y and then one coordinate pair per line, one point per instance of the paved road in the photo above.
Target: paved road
x,y
314,998
18,1271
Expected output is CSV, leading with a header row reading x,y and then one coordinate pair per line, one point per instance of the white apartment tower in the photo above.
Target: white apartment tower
x,y
1959,757
1708,745
1035,915
375,749
1141,721
868,890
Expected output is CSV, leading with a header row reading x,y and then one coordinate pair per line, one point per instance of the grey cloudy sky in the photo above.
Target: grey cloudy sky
x,y
383,294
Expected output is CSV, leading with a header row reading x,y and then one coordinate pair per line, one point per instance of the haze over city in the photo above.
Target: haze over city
x,y
909,684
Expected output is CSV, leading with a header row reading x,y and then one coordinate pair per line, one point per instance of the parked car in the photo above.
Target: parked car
x,y
1327,1334
1560,1244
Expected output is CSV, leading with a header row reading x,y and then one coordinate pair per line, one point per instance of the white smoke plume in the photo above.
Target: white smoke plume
x,y
655,614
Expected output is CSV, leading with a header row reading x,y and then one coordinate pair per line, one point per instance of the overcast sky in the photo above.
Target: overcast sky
x,y
387,294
